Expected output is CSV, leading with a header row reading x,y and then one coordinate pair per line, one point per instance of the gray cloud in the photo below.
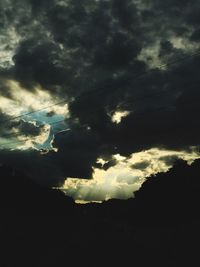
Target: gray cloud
x,y
32,162
141,165
93,53
10,127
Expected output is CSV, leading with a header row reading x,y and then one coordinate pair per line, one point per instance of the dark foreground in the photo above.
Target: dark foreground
x,y
160,227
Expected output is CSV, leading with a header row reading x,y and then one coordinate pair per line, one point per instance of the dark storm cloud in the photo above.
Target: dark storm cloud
x,y
16,15
5,123
30,129
84,47
13,128
77,152
169,160
89,51
5,127
42,63
39,167
4,89
141,165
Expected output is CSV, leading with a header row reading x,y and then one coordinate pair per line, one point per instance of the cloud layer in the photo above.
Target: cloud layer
x,y
126,176
125,67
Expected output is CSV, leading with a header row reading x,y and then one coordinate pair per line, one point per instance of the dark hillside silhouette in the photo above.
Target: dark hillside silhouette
x,y
167,197
43,227
19,195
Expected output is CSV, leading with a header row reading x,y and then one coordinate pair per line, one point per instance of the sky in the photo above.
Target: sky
x,y
98,95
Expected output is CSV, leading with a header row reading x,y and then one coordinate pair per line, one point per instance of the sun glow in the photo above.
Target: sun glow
x,y
126,176
119,115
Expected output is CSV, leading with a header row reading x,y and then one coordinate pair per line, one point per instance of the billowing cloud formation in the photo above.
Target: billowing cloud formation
x,y
128,69
22,127
128,174
19,101
25,133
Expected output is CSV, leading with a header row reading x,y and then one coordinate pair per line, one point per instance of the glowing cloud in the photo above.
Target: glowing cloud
x,y
119,115
20,102
23,100
126,177
33,141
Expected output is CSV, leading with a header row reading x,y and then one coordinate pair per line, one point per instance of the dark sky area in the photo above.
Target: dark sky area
x,y
99,102
129,73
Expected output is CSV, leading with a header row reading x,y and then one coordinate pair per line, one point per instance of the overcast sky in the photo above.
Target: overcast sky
x,y
115,87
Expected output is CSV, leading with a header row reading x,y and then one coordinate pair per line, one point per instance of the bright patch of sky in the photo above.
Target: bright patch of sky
x,y
126,177
119,115
51,116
